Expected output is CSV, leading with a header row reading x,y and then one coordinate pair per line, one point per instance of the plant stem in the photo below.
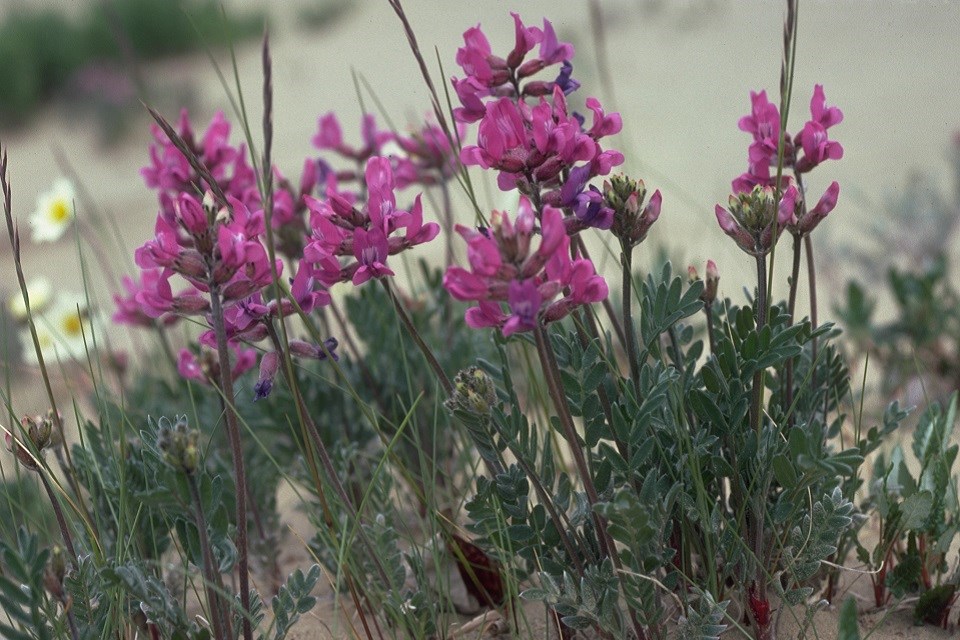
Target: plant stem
x,y
61,521
322,452
552,373
791,309
708,311
626,265
221,622
758,588
418,339
236,451
447,221
761,321
812,284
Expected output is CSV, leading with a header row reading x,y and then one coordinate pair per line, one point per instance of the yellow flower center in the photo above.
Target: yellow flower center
x,y
72,326
60,210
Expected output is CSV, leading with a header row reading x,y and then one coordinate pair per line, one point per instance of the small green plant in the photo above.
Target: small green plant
x,y
919,516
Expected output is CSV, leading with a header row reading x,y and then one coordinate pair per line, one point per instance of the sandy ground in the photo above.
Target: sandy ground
x,y
681,71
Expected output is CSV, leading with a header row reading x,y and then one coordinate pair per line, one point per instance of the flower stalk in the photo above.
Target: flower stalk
x,y
236,453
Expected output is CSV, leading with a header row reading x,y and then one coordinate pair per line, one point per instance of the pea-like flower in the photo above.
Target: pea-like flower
x,y
539,285
351,244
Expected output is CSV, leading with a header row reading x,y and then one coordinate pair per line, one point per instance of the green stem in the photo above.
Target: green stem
x,y
761,321
791,309
756,416
626,264
708,311
221,622
412,331
812,284
552,373
61,521
236,451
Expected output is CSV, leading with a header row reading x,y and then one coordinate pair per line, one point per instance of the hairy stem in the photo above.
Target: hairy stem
x,y
61,521
759,586
220,620
708,311
236,452
626,265
791,310
812,284
552,373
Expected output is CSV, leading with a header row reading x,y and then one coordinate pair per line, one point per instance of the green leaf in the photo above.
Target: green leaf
x,y
784,472
848,629
915,510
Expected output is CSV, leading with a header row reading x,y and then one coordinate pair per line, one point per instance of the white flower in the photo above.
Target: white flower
x,y
39,289
61,332
55,212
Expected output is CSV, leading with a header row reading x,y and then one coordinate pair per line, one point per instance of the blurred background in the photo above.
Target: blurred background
x,y
73,75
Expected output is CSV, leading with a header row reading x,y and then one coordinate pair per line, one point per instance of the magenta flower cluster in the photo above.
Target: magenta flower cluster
x,y
350,243
218,248
748,220
532,145
810,147
542,284
527,134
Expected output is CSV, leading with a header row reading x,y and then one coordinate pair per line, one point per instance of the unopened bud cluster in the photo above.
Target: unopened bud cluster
x,y
474,393
756,218
55,572
179,445
631,220
39,431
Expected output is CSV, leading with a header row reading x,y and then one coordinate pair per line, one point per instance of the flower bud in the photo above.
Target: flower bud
x,y
530,67
713,279
38,429
474,392
54,573
269,364
179,445
631,222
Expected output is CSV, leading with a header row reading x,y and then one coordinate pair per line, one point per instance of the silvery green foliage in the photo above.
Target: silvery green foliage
x,y
813,540
588,602
703,622
676,465
293,600
146,593
26,604
920,515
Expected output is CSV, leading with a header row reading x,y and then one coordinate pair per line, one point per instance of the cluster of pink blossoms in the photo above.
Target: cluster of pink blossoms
x,y
505,269
804,151
364,237
748,219
538,146
218,248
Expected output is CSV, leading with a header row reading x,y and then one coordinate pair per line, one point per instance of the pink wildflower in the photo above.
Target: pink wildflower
x,y
365,237
506,270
